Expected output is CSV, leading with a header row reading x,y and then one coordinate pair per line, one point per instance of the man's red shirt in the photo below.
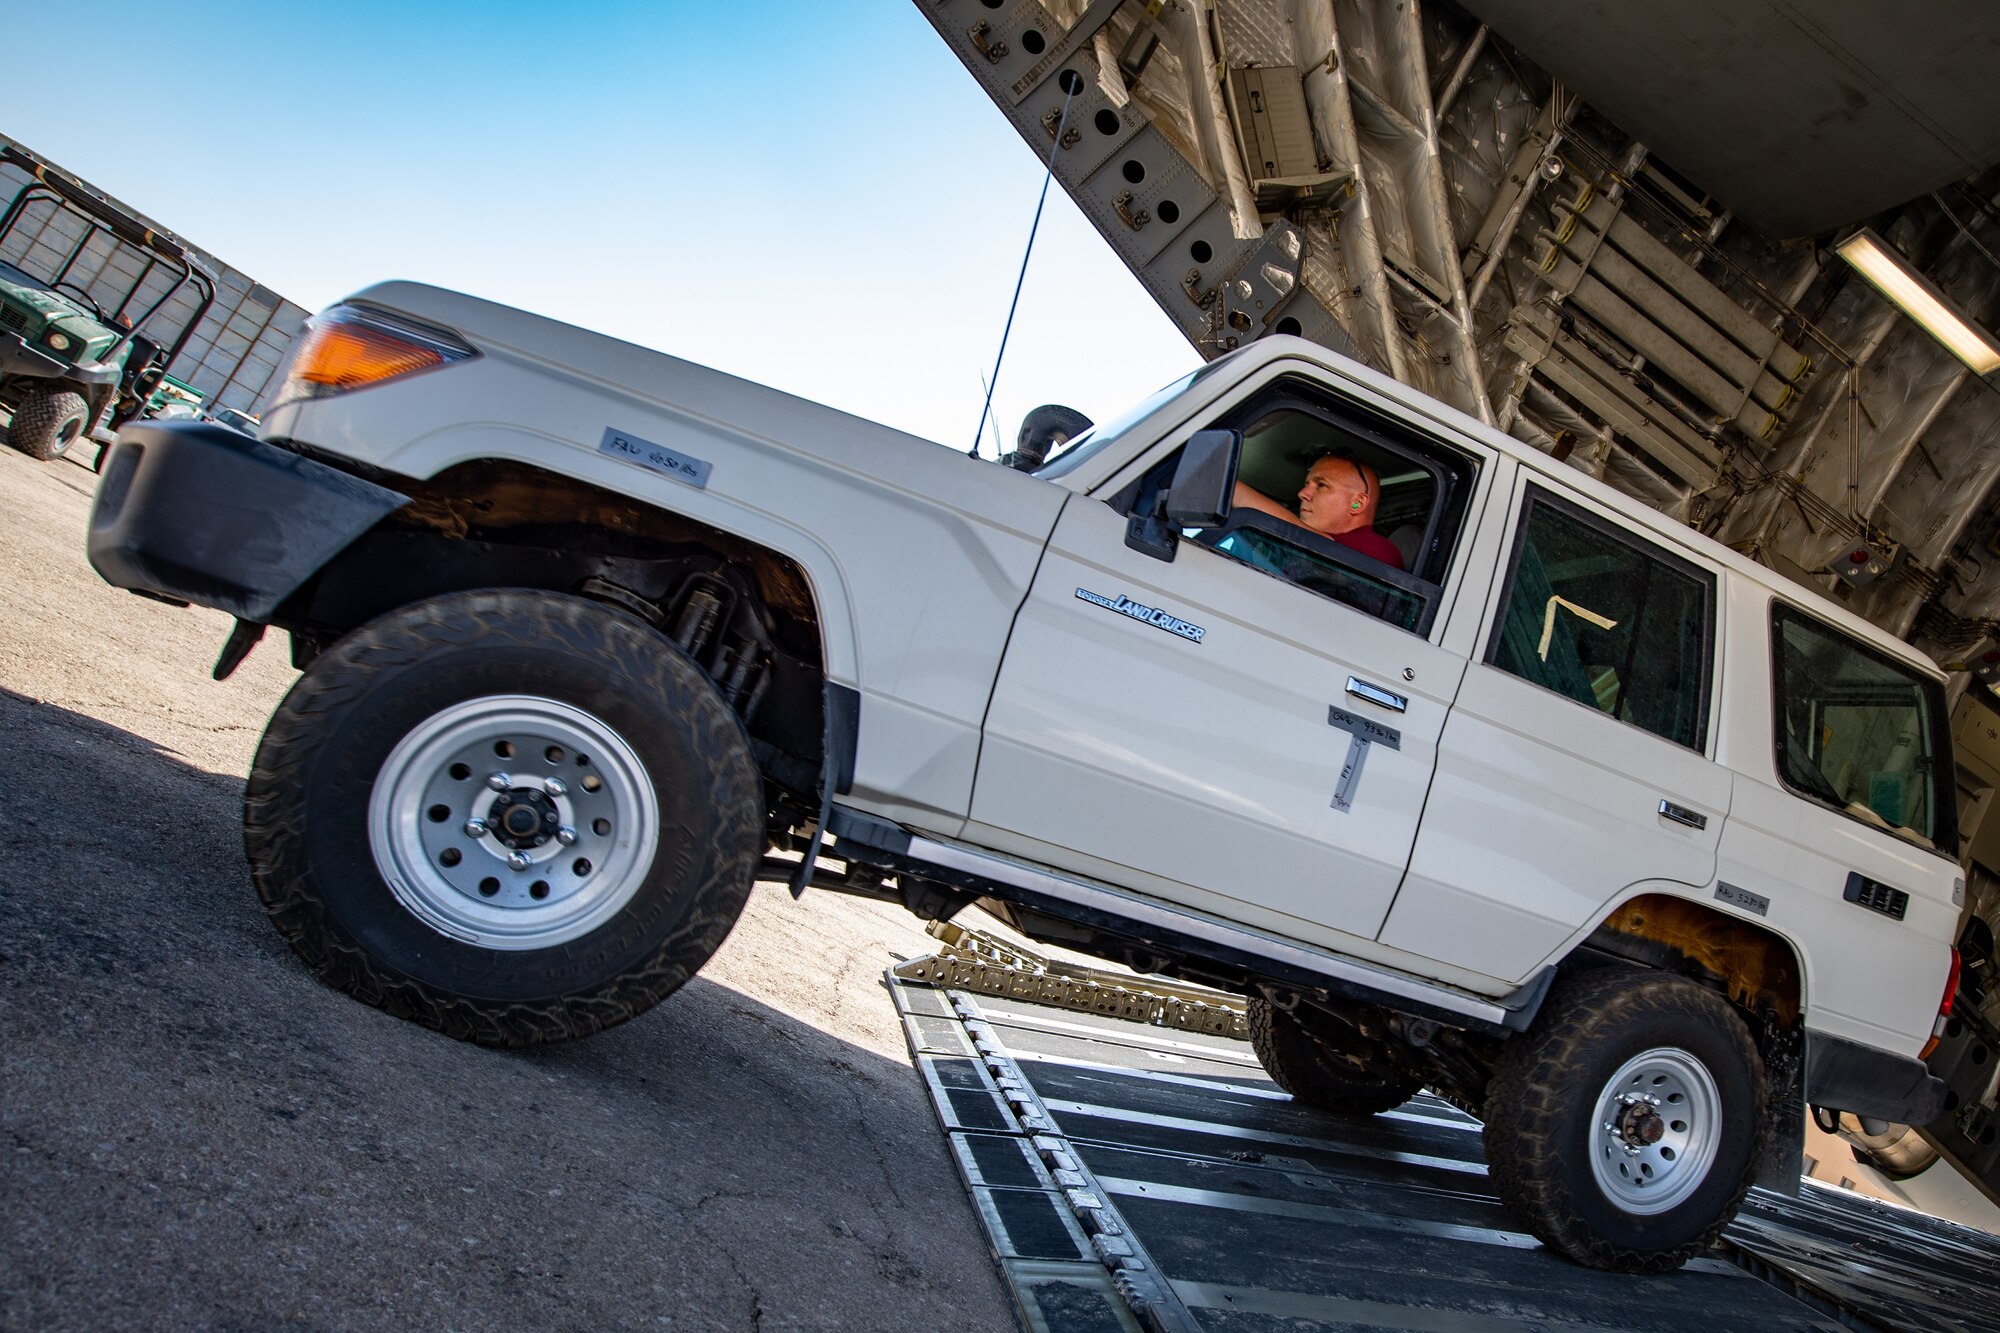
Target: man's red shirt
x,y
1371,544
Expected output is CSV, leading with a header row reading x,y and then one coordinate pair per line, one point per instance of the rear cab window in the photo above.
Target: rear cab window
x,y
1860,732
1600,615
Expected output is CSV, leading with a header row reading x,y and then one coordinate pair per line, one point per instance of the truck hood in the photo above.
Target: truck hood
x,y
701,399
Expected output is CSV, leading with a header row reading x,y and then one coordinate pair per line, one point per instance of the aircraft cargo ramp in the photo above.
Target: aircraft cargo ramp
x,y
1135,1177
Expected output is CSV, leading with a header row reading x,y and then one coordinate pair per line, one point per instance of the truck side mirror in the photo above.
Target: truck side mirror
x,y
1196,497
1199,496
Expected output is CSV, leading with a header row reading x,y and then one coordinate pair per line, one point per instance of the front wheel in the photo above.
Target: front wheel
x,y
46,423
515,817
1623,1128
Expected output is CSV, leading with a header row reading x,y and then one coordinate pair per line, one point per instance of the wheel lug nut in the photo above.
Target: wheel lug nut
x,y
565,835
499,781
475,828
518,860
555,786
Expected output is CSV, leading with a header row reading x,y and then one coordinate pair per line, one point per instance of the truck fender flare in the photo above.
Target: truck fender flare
x,y
1745,951
432,454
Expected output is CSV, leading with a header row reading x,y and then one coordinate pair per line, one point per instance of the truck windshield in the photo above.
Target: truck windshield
x,y
1072,453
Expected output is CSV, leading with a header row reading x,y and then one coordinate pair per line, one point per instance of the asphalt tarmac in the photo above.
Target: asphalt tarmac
x,y
198,1135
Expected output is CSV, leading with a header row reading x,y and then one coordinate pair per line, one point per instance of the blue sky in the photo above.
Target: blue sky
x,y
818,197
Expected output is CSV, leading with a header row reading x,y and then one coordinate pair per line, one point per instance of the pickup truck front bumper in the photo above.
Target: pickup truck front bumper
x,y
197,512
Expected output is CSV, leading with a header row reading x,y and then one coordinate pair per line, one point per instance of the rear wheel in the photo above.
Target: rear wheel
x,y
1323,1063
47,422
1623,1128
515,817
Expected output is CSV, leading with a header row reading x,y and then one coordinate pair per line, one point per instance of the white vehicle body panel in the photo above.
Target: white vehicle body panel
x,y
1867,978
1543,811
1212,763
917,556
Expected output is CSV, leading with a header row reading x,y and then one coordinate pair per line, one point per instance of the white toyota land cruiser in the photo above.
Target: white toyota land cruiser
x,y
1618,840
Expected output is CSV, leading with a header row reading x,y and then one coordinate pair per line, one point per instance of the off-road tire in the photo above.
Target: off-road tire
x,y
307,820
1309,1062
46,423
1543,1118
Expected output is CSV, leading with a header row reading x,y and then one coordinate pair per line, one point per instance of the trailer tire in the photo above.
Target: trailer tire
x,y
47,422
1623,1128
1308,1063
620,816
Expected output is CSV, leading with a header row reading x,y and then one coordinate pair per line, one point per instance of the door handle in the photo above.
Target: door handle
x,y
1375,694
1680,814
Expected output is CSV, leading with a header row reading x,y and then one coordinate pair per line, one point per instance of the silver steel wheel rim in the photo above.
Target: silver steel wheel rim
x,y
508,887
1655,1134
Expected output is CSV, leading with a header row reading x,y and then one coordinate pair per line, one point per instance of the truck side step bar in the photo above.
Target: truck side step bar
x,y
871,841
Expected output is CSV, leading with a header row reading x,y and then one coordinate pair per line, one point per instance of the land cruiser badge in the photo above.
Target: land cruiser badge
x,y
1151,615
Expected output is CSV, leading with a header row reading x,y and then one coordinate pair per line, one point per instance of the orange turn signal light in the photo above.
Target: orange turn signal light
x,y
347,356
348,348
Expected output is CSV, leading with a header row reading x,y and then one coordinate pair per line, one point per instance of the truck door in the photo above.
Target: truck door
x,y
1248,728
1578,758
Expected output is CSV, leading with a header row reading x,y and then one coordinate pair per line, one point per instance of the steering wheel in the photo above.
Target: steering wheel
x,y
88,300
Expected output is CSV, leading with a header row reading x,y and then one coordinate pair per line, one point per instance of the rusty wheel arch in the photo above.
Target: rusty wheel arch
x,y
501,522
493,497
1757,968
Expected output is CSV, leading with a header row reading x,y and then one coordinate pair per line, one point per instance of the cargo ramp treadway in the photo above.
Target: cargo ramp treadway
x,y
1135,1177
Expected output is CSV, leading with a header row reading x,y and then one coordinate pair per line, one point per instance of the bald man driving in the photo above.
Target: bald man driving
x,y
1337,502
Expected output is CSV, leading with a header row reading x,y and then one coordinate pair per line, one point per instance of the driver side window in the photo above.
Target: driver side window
x,y
1372,509
1292,559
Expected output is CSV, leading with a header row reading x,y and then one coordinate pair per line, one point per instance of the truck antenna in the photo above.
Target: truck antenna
x,y
992,420
1070,81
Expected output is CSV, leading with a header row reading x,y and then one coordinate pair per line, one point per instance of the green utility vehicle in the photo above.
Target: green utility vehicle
x,y
69,361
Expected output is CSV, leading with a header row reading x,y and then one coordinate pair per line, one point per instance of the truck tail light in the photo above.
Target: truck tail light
x,y
353,347
1944,1008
